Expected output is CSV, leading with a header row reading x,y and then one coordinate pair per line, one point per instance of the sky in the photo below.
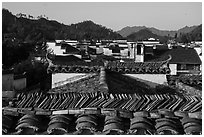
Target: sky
x,y
115,15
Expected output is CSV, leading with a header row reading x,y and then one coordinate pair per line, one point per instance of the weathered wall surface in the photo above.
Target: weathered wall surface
x,y
154,79
59,79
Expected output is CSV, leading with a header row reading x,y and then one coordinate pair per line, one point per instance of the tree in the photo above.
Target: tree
x,y
185,38
175,36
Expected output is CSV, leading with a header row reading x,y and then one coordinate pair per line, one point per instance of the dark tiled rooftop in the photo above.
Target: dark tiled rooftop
x,y
191,80
101,124
189,84
179,55
130,102
101,104
139,67
63,60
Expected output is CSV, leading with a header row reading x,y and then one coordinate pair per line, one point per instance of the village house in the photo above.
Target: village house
x,y
184,60
144,48
120,49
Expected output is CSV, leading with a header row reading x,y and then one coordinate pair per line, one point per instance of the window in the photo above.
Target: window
x,y
181,67
188,67
148,50
196,67
139,49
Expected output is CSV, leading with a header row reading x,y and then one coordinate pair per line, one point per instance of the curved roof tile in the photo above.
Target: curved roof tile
x,y
57,126
151,125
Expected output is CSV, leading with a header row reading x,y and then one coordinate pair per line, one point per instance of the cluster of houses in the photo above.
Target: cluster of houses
x,y
128,93
184,59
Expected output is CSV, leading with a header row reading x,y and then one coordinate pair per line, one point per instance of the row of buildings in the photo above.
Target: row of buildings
x,y
184,58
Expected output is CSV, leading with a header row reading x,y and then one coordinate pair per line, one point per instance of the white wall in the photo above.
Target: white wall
x,y
154,78
58,41
139,58
131,50
56,49
173,69
107,51
99,50
131,53
59,79
150,42
199,51
124,52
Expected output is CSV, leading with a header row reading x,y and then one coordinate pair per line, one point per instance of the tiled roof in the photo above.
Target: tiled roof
x,y
187,79
139,67
98,124
70,64
184,55
191,80
179,55
130,102
109,90
102,104
64,60
70,49
188,84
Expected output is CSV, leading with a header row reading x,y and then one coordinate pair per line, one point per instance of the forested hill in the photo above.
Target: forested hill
x,y
27,29
145,34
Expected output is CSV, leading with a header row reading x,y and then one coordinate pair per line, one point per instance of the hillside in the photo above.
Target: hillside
x,y
196,34
145,34
129,30
26,29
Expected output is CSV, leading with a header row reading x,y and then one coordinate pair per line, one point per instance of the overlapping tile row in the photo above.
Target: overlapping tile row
x,y
59,124
168,126
192,125
73,69
113,125
141,124
131,102
87,122
30,124
186,79
139,67
102,80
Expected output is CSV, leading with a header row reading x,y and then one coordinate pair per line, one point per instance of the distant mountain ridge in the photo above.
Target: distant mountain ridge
x,y
26,29
130,30
184,35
